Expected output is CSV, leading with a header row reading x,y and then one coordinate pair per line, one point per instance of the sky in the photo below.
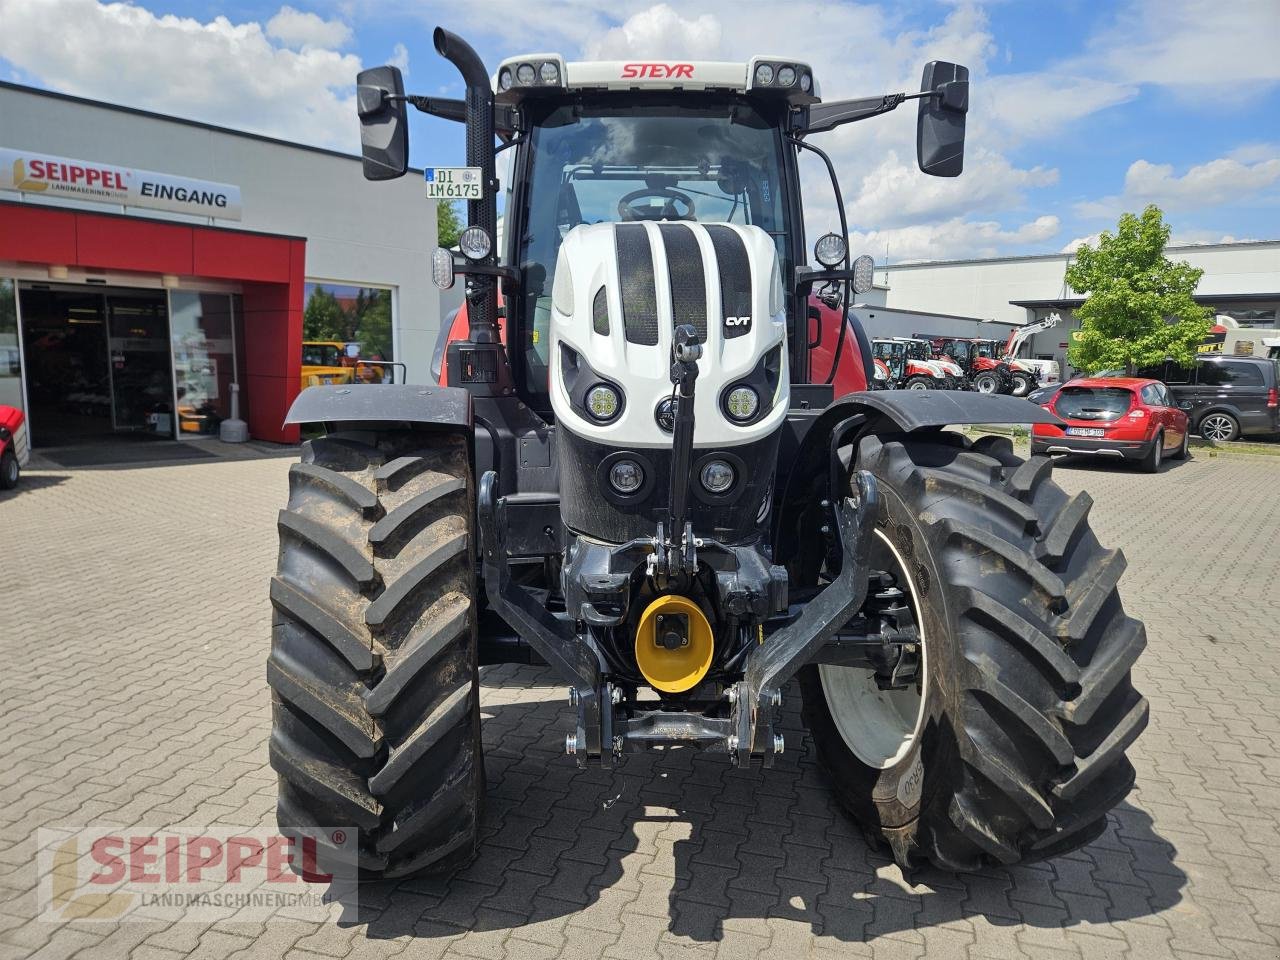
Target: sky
x,y
1079,110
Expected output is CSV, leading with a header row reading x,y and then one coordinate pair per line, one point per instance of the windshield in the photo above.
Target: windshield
x,y
609,161
320,355
956,349
917,350
1093,403
984,348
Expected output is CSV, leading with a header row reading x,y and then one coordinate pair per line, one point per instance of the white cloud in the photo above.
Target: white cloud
x,y
1216,183
399,57
1202,49
658,32
219,72
295,28
896,192
955,238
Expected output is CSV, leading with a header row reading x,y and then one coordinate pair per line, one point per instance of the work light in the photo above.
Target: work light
x,y
830,250
742,403
626,476
475,243
442,268
603,402
717,476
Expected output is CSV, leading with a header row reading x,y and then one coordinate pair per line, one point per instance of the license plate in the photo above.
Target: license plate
x,y
1086,432
453,183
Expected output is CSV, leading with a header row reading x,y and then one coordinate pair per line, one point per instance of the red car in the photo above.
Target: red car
x,y
13,446
1126,418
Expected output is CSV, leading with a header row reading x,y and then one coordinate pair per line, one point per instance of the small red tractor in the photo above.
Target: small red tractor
x,y
658,470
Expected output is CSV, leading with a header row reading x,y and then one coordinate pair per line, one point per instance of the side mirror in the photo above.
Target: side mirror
x,y
940,125
384,123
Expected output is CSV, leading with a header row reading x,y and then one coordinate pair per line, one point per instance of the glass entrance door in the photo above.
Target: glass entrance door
x,y
141,370
97,363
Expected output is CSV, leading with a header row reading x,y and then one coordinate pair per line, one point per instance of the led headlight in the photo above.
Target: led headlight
x,y
864,271
764,74
549,73
717,476
806,82
830,250
475,243
442,268
786,76
525,74
742,403
504,79
626,476
603,402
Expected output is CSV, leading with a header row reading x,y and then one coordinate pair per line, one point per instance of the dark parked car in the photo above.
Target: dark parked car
x,y
1225,397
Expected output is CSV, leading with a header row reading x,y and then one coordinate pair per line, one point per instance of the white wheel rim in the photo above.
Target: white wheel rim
x,y
986,385
918,386
879,726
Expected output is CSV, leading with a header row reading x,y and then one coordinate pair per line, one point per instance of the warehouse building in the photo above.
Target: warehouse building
x,y
1241,284
148,263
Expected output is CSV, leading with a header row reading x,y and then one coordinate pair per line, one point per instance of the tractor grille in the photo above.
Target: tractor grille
x,y
735,276
688,283
639,291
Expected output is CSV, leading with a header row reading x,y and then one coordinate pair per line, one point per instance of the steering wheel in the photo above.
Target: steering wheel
x,y
629,211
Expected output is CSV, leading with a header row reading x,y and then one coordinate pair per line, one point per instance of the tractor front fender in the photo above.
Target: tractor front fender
x,y
813,472
364,404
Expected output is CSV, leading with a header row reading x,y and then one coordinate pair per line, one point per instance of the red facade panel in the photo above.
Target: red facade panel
x,y
242,256
37,234
107,243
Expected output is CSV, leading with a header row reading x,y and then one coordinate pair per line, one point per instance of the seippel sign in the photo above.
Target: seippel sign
x,y
39,174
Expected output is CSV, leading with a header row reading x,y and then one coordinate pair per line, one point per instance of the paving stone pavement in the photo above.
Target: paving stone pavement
x,y
133,639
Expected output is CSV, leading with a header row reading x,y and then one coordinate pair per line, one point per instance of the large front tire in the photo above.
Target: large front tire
x,y
1026,705
375,707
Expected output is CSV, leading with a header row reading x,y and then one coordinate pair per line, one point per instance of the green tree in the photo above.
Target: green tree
x,y
449,225
323,317
1139,309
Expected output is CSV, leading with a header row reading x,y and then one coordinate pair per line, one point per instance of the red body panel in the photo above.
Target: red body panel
x,y
10,420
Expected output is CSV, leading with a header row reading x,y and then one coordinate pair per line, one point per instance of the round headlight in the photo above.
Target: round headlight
x,y
742,403
626,476
475,243
786,76
504,79
549,72
764,74
806,82
717,476
830,250
524,73
864,272
603,402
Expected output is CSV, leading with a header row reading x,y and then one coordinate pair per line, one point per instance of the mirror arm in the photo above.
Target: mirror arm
x,y
828,116
505,118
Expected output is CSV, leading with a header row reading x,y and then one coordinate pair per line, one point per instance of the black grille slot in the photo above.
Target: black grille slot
x,y
688,283
735,277
635,276
600,312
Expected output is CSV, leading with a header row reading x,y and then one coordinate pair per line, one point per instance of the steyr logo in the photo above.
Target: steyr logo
x,y
738,323
656,71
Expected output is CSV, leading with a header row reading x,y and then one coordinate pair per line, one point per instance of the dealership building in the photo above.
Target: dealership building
x,y
147,263
1241,284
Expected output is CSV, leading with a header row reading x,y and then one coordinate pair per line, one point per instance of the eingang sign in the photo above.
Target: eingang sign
x,y
38,174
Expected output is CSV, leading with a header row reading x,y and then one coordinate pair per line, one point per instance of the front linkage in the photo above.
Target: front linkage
x,y
604,729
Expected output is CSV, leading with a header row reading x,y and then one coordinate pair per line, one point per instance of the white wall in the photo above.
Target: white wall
x,y
357,232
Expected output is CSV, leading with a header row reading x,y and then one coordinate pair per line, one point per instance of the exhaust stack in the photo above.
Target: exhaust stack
x,y
481,362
